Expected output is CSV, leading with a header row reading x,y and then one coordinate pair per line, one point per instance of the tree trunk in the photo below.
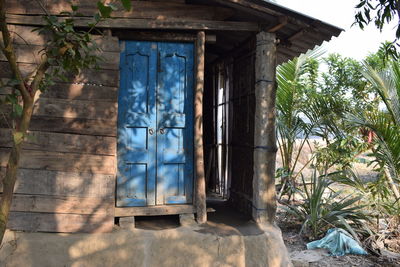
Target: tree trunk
x,y
12,167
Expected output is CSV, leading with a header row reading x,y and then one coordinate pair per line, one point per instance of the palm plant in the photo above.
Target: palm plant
x,y
324,208
290,120
385,124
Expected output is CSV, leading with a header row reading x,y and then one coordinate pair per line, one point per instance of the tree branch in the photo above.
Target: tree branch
x,y
9,52
41,70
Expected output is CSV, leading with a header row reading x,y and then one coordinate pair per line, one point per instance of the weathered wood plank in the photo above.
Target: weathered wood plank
x,y
140,9
160,36
94,77
22,34
72,126
61,223
125,23
62,204
200,186
98,127
82,92
34,53
72,184
76,92
74,109
154,210
60,142
57,161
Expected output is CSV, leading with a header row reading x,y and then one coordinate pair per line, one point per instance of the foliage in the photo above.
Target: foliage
x,y
384,123
380,12
311,104
293,78
341,153
67,51
324,208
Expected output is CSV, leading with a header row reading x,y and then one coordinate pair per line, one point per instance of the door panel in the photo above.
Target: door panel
x,y
175,133
155,128
136,122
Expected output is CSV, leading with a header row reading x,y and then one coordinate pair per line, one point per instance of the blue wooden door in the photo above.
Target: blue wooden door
x,y
155,124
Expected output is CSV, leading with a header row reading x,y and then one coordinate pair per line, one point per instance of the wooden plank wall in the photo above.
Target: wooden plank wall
x,y
66,180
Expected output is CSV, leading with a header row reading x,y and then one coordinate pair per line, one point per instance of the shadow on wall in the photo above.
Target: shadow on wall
x,y
66,179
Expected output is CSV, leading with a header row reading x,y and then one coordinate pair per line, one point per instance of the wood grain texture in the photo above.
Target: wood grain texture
x,y
27,53
22,35
61,223
97,127
154,210
140,9
200,187
82,92
75,109
56,183
66,162
61,142
94,77
144,24
158,36
62,204
76,92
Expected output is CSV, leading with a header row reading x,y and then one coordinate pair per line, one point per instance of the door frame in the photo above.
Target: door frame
x,y
199,188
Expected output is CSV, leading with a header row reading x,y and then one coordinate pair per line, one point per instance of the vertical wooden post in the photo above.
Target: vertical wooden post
x,y
264,199
200,191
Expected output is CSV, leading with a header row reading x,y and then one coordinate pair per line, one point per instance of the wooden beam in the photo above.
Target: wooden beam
x,y
297,34
126,23
282,21
154,210
264,202
161,36
200,189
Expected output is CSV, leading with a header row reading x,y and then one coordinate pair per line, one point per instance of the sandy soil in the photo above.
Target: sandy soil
x,y
296,246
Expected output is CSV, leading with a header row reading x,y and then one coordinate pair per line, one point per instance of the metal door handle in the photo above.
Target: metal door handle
x,y
162,131
151,131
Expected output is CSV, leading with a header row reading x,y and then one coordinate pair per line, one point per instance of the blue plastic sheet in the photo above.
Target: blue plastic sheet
x,y
338,242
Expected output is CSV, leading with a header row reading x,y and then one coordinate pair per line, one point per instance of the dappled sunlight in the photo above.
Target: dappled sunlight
x,y
182,246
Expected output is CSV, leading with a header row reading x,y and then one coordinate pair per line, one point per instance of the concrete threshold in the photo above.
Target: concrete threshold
x,y
211,244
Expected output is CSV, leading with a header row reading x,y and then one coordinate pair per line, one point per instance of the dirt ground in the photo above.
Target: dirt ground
x,y
301,257
296,244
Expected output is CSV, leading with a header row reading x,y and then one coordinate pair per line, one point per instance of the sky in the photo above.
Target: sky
x,y
354,42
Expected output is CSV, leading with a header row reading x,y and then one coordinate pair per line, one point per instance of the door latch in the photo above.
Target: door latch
x,y
151,131
162,131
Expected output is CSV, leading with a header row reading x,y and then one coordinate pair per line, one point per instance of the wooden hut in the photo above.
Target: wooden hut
x,y
183,104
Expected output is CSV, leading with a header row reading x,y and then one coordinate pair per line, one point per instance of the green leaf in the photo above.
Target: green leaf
x,y
74,8
105,11
127,4
18,110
